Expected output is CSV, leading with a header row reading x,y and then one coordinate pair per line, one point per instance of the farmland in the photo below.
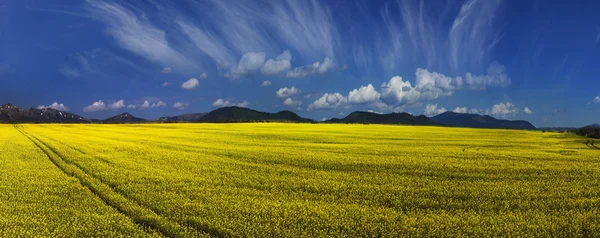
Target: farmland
x,y
295,180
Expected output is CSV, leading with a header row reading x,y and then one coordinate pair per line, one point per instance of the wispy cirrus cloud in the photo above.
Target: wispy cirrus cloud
x,y
415,31
225,32
135,32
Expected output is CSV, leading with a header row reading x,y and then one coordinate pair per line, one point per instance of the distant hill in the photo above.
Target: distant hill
x,y
595,125
123,118
240,114
192,117
375,118
479,121
592,131
12,114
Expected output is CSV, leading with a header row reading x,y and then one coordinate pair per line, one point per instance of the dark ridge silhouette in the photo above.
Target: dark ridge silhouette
x,y
376,118
12,114
123,118
240,114
591,131
479,121
191,117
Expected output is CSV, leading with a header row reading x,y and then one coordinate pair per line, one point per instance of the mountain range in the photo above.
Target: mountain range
x,y
479,121
12,114
378,118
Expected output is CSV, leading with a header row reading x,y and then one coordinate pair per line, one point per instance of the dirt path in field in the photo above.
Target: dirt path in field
x,y
139,214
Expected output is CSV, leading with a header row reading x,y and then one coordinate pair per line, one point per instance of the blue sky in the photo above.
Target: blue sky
x,y
531,60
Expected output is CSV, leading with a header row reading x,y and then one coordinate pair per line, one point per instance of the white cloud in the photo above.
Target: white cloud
x,y
472,33
527,111
136,33
96,106
116,105
224,103
324,119
243,104
329,101
279,65
144,105
433,110
316,68
180,105
326,66
165,84
147,105
249,64
221,103
399,92
431,85
288,92
597,99
190,84
474,111
365,94
291,102
460,110
131,106
203,75
266,83
503,109
55,106
158,104
166,70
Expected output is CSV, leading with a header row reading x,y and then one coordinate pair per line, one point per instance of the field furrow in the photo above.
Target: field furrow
x,y
139,214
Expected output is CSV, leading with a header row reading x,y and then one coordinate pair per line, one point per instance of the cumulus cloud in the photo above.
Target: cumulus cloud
x,y
266,83
288,92
116,105
190,84
144,105
597,99
281,64
291,102
96,106
431,85
433,110
180,105
249,64
203,75
365,94
428,86
224,103
55,106
166,70
460,110
329,101
158,104
503,109
316,68
474,111
527,111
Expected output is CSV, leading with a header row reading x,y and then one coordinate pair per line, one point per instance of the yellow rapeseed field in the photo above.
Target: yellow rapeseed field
x,y
295,180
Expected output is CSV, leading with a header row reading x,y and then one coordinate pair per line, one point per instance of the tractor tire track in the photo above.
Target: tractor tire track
x,y
140,215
